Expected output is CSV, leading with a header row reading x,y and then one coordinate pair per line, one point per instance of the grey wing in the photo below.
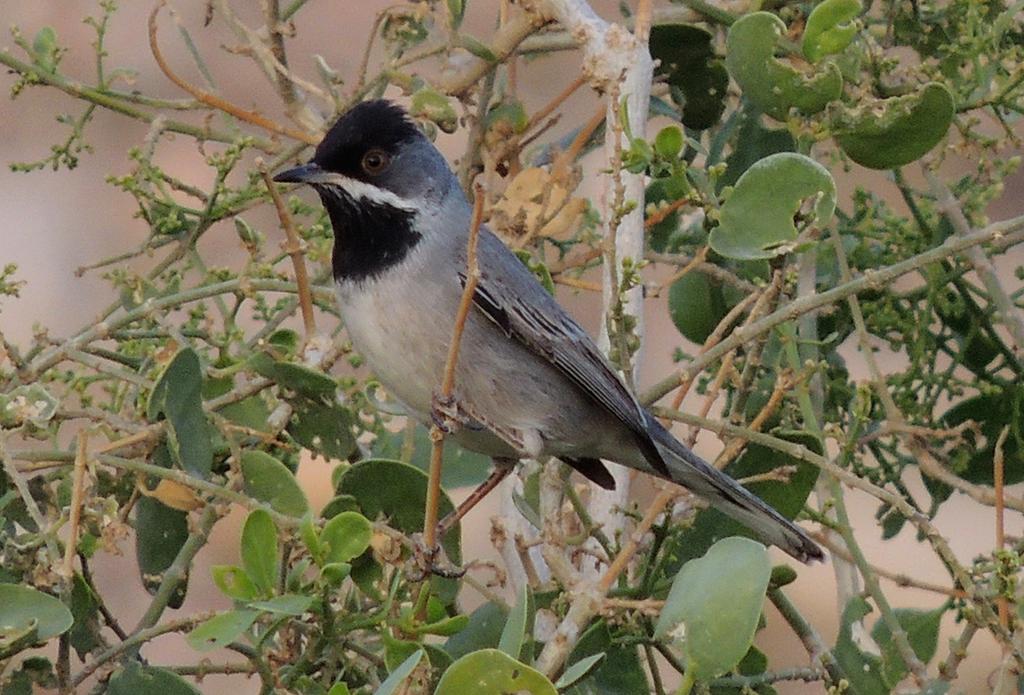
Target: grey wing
x,y
510,296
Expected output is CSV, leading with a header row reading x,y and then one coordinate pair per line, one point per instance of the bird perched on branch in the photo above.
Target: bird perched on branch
x,y
529,382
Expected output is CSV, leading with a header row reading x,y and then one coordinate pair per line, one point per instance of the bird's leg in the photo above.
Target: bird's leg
x,y
502,467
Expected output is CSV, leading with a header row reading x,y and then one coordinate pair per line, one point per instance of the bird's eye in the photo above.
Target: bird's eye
x,y
376,161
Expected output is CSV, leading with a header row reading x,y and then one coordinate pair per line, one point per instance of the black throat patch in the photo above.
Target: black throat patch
x,y
369,237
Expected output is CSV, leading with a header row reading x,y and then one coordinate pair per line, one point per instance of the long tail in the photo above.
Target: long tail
x,y
730,497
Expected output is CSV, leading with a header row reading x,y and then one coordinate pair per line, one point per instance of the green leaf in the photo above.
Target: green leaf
x,y
696,306
221,630
830,28
889,133
398,676
922,628
483,630
579,670
160,532
687,60
714,606
85,633
492,672
44,44
432,105
304,380
477,48
270,481
753,143
288,604
29,617
323,428
259,551
137,679
233,582
992,411
345,537
774,86
336,572
456,11
757,219
668,143
863,671
514,634
177,396
338,689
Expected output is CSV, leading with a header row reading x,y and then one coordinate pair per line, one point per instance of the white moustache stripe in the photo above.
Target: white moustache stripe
x,y
364,191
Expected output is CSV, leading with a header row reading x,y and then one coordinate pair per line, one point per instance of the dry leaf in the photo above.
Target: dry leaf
x,y
536,203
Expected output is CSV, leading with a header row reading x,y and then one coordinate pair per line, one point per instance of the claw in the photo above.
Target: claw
x,y
431,561
444,412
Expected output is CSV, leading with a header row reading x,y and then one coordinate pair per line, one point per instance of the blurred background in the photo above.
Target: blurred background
x,y
54,222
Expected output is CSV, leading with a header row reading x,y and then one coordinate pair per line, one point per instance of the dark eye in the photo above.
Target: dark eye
x,y
376,161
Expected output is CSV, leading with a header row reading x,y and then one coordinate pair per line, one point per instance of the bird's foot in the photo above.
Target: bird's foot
x,y
431,561
444,412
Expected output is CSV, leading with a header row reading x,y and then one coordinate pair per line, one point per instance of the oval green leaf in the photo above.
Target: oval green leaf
x,y
233,582
220,630
492,672
323,428
696,306
714,605
259,551
686,57
288,604
345,537
270,481
177,396
160,532
774,86
757,219
892,132
29,617
830,28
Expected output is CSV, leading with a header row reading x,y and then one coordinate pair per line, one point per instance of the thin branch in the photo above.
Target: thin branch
x,y
77,493
113,102
294,247
215,101
448,384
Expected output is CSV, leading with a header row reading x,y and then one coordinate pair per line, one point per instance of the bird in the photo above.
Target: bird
x,y
529,381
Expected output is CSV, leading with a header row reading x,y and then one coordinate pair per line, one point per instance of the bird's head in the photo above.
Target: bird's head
x,y
379,178
373,155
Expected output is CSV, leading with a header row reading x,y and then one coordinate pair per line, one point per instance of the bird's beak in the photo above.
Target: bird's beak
x,y
307,173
